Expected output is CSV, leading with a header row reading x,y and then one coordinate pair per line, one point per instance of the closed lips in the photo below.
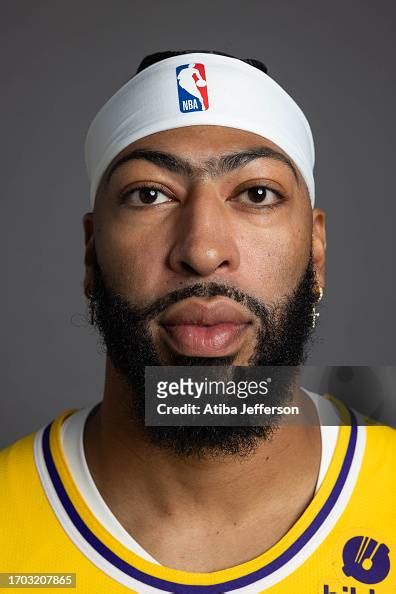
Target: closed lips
x,y
201,314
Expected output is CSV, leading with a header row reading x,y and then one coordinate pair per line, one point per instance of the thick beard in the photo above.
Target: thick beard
x,y
282,341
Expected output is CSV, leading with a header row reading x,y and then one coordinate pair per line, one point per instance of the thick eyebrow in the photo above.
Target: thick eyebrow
x,y
213,167
226,163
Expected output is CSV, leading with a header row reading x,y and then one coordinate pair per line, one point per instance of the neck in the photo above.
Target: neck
x,y
129,469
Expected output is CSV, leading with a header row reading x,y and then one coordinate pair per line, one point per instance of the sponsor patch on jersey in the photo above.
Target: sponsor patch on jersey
x,y
192,87
366,560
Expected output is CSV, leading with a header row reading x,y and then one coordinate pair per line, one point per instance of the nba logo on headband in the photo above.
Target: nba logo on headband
x,y
192,88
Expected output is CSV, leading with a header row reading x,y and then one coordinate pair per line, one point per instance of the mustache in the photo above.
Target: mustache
x,y
210,289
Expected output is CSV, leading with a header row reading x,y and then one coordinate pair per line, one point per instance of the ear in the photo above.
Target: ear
x,y
319,245
90,255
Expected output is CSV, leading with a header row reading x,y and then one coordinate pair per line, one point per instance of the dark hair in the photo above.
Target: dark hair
x,y
158,56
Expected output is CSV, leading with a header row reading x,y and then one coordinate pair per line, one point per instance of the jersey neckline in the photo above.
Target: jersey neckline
x,y
72,434
71,507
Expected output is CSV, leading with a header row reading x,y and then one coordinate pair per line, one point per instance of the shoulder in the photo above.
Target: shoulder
x,y
377,443
20,489
19,478
16,459
28,525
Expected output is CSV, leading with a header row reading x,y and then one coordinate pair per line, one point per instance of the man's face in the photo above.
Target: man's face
x,y
207,240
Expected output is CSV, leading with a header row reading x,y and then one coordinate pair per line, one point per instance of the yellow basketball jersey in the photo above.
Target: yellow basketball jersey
x,y
344,542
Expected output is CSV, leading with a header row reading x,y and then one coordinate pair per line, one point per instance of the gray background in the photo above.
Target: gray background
x,y
61,60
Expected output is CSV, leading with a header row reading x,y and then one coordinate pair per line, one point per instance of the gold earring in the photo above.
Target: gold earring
x,y
316,314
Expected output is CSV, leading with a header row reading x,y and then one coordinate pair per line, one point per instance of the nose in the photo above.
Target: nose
x,y
204,242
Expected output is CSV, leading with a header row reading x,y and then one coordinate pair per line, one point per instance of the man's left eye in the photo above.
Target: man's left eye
x,y
259,195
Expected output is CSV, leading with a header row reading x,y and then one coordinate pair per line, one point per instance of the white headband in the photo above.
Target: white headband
x,y
199,89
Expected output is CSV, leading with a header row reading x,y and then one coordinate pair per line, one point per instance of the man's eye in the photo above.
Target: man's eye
x,y
260,196
144,196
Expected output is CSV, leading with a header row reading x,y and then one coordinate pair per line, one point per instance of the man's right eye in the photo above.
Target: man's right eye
x,y
143,196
